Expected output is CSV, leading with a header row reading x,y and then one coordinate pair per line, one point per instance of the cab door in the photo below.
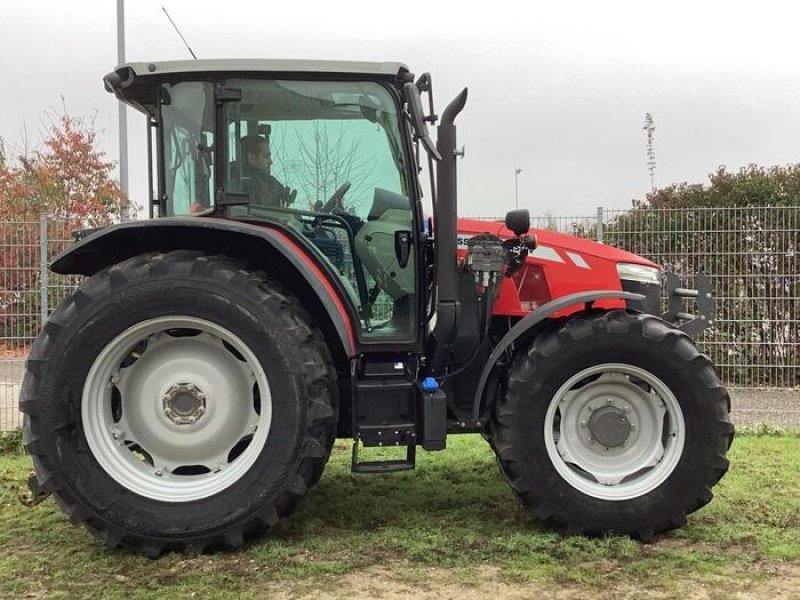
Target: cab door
x,y
338,160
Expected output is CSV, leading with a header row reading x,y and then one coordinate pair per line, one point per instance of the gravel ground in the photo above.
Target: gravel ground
x,y
11,370
778,408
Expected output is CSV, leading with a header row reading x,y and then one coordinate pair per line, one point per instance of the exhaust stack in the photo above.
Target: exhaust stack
x,y
448,305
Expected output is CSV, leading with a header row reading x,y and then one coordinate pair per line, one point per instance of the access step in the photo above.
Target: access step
x,y
384,436
398,434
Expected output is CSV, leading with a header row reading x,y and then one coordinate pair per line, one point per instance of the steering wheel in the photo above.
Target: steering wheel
x,y
335,200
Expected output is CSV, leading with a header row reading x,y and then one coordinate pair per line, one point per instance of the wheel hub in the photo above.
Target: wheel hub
x,y
610,426
184,404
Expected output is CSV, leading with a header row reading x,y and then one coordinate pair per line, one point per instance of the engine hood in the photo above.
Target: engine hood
x,y
553,239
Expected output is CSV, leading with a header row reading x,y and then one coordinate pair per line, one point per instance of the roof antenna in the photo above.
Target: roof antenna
x,y
178,31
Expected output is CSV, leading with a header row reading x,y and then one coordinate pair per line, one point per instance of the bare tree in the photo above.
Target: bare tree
x,y
330,158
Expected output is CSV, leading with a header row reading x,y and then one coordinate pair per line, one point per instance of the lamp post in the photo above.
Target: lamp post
x,y
517,171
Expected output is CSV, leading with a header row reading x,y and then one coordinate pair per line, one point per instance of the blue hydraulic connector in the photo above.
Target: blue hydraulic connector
x,y
429,384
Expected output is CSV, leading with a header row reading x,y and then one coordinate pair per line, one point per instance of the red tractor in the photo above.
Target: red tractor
x,y
188,394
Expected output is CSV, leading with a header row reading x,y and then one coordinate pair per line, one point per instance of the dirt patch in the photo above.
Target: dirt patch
x,y
391,582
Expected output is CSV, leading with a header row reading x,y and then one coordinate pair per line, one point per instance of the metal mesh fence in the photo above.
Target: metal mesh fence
x,y
585,226
750,253
28,292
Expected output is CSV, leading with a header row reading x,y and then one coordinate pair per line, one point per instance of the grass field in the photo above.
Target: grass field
x,y
450,529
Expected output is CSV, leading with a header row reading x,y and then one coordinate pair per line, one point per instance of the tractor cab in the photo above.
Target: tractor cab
x,y
323,155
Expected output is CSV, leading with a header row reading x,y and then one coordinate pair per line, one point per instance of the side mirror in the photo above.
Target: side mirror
x,y
518,221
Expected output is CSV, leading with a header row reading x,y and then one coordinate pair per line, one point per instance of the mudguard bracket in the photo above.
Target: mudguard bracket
x,y
534,318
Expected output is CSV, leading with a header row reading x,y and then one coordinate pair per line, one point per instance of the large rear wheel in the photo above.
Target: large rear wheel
x,y
613,422
179,401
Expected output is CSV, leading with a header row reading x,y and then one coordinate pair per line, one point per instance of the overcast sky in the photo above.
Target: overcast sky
x,y
559,89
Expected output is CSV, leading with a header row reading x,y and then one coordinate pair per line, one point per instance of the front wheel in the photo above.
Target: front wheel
x,y
613,422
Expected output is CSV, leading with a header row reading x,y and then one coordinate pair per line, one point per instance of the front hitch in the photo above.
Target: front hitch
x,y
687,322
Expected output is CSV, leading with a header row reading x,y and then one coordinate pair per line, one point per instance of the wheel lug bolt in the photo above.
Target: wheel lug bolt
x,y
609,401
626,410
584,424
158,473
590,440
592,406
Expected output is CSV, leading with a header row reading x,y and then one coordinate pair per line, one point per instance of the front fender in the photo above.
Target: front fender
x,y
275,250
533,319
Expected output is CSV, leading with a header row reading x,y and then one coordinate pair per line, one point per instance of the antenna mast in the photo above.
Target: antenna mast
x,y
178,31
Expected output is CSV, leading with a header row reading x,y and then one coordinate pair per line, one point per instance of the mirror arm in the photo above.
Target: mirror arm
x,y
415,111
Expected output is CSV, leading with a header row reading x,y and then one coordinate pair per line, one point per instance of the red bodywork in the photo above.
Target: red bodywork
x,y
562,264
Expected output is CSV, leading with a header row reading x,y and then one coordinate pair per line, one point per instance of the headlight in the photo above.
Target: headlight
x,y
639,273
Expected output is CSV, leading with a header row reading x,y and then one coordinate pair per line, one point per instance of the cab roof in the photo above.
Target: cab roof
x,y
136,83
261,65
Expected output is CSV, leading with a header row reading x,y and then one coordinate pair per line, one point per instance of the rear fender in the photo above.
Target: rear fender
x,y
531,320
279,252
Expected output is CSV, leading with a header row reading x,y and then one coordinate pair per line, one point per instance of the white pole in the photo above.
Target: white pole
x,y
517,171
44,283
123,116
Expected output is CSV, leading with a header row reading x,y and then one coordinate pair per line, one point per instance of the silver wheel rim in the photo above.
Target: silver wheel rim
x,y
614,431
176,408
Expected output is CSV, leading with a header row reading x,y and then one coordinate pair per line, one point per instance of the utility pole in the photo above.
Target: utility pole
x,y
517,171
123,117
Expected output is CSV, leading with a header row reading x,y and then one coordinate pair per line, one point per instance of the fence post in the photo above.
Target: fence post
x,y
599,228
43,272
